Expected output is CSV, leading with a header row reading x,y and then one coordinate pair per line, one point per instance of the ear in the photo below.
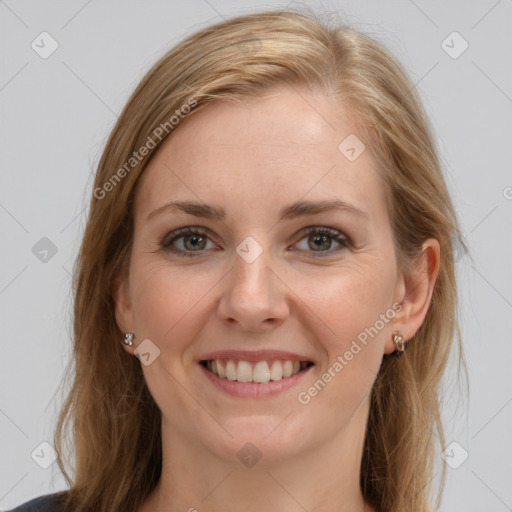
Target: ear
x,y
416,292
123,306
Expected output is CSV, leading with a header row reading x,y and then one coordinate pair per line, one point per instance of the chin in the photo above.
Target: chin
x,y
263,439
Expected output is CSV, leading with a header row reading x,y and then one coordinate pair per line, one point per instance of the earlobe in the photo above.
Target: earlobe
x,y
123,306
419,287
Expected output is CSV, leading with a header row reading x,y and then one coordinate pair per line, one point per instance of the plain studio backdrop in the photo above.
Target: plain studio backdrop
x,y
67,69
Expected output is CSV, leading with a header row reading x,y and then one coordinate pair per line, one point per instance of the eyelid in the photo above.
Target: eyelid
x,y
326,230
188,230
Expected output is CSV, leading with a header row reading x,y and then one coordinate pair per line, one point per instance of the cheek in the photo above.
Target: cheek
x,y
355,309
351,299
168,311
169,303
161,299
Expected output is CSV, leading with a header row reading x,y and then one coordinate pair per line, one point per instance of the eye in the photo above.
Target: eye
x,y
192,241
319,238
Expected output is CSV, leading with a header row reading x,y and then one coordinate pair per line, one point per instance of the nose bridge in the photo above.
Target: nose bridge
x,y
250,279
250,267
253,295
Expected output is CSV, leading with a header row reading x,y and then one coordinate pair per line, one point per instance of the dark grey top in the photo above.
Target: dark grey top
x,y
46,503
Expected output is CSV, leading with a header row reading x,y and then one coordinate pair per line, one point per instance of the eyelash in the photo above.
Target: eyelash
x,y
170,238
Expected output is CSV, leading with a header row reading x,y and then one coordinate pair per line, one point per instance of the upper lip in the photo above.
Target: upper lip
x,y
254,355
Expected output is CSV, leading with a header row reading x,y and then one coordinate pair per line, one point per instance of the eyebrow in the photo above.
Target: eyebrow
x,y
294,210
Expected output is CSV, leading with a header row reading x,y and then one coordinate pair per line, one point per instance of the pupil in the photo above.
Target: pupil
x,y
194,239
319,239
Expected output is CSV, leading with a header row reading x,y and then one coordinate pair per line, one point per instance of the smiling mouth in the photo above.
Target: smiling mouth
x,y
256,371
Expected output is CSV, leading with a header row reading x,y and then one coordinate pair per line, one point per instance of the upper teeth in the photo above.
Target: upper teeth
x,y
243,371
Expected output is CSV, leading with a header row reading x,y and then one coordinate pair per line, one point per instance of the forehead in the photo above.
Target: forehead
x,y
286,145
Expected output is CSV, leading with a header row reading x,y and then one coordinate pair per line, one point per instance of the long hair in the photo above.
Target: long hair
x,y
108,434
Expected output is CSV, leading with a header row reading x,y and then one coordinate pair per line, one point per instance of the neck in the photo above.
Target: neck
x,y
324,478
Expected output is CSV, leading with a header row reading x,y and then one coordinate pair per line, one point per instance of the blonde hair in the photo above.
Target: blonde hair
x,y
114,424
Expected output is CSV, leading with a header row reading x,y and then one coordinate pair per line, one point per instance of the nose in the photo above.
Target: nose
x,y
255,296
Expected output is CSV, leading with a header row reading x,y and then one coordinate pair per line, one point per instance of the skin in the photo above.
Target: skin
x,y
252,159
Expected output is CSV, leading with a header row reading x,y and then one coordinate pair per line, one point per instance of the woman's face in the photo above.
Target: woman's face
x,y
262,275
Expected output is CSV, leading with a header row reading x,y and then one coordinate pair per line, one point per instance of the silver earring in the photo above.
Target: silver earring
x,y
400,342
128,339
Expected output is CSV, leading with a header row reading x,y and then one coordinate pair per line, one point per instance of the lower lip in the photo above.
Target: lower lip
x,y
254,389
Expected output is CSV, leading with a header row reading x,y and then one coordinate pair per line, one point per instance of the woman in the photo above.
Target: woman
x,y
269,230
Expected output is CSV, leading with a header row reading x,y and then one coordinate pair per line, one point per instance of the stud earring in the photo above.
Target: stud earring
x,y
128,339
400,343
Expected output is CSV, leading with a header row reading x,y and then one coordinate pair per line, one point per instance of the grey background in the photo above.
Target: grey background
x,y
57,112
